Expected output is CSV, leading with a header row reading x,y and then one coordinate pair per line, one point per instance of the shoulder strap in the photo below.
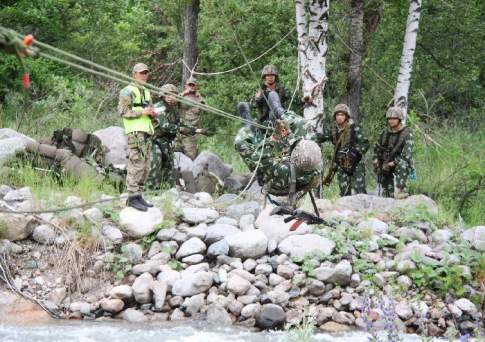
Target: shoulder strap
x,y
403,135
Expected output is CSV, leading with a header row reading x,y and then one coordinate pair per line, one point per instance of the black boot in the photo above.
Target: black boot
x,y
145,203
134,202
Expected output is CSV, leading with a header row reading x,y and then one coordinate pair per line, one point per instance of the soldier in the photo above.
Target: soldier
x,y
393,155
350,146
269,83
190,116
135,106
167,126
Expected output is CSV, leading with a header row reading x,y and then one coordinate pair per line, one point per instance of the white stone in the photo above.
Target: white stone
x,y
238,285
191,246
114,138
300,245
275,228
199,215
112,233
250,244
376,225
218,232
138,223
191,284
44,234
142,288
124,292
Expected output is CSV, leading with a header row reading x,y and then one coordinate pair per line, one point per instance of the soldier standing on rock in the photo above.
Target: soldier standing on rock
x,y
350,146
190,116
393,155
135,107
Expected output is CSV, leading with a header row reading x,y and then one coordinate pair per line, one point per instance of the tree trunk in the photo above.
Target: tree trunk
x,y
312,26
404,78
191,17
356,43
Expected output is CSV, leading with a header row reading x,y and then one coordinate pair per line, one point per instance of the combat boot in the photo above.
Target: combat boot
x,y
134,202
145,203
400,194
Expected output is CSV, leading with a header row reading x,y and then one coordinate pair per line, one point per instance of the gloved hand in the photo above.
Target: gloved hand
x,y
206,131
413,176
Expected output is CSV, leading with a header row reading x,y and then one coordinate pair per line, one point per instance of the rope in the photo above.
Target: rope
x,y
246,63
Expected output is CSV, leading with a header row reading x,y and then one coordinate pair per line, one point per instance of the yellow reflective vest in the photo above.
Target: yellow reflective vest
x,y
142,123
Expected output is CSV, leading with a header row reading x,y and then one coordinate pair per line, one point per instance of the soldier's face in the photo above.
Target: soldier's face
x,y
141,77
340,118
393,122
270,79
170,100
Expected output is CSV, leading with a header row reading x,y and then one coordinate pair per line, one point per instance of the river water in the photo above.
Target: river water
x,y
82,331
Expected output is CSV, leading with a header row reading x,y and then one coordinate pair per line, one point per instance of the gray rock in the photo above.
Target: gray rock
x,y
235,307
112,305
142,288
218,248
404,266
404,311
133,252
218,315
199,215
243,274
271,316
198,231
182,162
112,233
159,289
476,236
4,189
94,214
417,202
192,305
466,305
218,232
265,269
193,259
20,195
123,292
404,281
300,245
227,220
287,270
278,297
44,234
324,314
410,234
191,246
191,284
275,279
441,236
238,210
250,244
138,223
114,138
57,295
11,143
203,199
343,317
455,311
363,202
171,234
412,248
339,275
246,222
251,310
249,265
133,316
375,225
16,227
169,276
388,240
209,161
82,307
237,284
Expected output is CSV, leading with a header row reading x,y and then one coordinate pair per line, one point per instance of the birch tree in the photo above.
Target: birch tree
x,y
404,77
356,43
191,17
312,27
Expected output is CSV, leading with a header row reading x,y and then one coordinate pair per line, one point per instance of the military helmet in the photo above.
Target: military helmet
x,y
169,88
342,108
306,155
191,80
269,69
395,112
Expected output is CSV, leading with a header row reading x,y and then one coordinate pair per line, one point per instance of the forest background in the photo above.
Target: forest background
x,y
446,100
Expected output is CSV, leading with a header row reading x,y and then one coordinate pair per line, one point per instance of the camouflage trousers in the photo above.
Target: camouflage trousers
x,y
139,157
162,168
400,175
188,145
354,183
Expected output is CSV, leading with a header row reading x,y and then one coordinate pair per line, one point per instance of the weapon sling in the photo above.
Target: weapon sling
x,y
332,169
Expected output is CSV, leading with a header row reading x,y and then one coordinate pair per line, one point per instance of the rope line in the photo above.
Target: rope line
x,y
246,63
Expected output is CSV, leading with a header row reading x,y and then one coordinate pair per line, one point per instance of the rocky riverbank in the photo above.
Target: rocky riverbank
x,y
376,264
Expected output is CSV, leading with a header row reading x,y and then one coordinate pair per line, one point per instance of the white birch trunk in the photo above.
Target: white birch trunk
x,y
404,78
312,26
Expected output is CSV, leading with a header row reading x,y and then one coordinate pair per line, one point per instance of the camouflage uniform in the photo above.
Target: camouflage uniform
x,y
190,117
403,159
139,145
353,136
162,167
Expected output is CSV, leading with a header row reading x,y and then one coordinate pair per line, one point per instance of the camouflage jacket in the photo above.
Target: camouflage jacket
x,y
354,136
191,114
389,139
261,103
167,124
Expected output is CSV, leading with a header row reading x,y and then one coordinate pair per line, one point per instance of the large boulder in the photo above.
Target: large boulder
x,y
271,316
191,284
15,227
476,236
12,143
183,163
300,245
238,210
275,228
212,163
250,244
114,138
219,231
138,223
199,215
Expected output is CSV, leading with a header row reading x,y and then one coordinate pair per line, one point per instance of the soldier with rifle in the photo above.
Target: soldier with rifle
x,y
393,156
